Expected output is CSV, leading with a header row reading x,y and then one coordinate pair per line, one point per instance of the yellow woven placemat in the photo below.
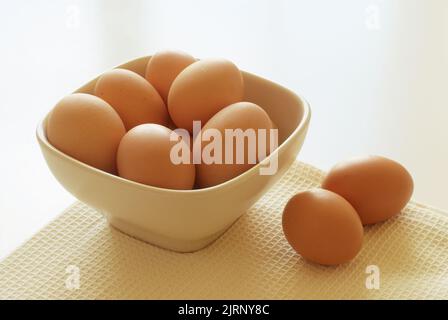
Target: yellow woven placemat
x,y
252,260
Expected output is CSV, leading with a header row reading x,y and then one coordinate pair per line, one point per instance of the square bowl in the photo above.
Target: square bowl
x,y
184,220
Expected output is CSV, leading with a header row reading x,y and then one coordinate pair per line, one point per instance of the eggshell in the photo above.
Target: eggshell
x,y
164,67
134,98
322,227
144,156
202,89
377,187
241,115
86,128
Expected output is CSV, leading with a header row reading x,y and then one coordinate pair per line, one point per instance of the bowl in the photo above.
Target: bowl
x,y
184,220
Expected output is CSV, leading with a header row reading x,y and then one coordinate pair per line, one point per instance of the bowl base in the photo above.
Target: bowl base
x,y
177,245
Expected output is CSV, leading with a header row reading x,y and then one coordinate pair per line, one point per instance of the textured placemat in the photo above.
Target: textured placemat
x,y
251,260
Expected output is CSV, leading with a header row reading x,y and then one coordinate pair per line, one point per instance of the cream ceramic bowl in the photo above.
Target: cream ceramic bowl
x,y
183,221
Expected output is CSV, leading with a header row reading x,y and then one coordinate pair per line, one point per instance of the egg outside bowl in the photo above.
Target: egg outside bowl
x,y
183,220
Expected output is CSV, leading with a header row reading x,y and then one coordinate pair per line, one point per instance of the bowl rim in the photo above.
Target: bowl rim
x,y
306,115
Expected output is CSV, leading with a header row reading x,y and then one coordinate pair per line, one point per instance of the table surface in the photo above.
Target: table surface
x,y
375,73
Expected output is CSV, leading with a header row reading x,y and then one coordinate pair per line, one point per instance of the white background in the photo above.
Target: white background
x,y
374,71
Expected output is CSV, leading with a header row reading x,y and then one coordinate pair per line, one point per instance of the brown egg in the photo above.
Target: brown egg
x,y
243,116
144,156
322,227
134,98
378,188
164,67
86,128
202,89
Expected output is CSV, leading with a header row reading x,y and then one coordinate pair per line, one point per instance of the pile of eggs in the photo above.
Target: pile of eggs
x,y
124,128
325,225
